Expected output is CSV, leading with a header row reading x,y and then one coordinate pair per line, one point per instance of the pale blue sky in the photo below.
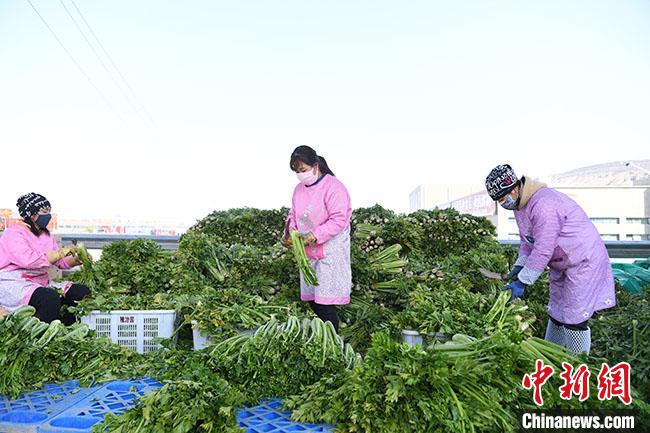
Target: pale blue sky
x,y
393,93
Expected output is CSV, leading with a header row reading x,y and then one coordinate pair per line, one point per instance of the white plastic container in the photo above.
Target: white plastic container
x,y
412,338
199,339
135,329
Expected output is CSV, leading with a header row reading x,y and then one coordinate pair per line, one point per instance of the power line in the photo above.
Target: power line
x,y
108,103
110,59
92,47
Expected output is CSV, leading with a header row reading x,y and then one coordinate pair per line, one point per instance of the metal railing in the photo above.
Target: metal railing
x,y
616,249
99,241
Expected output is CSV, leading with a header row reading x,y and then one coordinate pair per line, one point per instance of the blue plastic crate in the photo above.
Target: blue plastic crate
x,y
113,398
68,408
269,418
29,410
51,396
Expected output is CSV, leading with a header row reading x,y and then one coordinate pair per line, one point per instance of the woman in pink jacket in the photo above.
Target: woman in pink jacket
x,y
556,233
27,250
321,211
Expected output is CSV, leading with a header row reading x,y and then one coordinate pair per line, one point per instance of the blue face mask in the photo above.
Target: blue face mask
x,y
509,203
43,220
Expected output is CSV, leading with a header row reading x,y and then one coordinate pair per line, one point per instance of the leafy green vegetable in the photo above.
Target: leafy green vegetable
x,y
622,333
87,264
306,270
206,405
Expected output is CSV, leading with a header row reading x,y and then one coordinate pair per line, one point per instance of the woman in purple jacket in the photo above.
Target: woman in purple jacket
x,y
557,233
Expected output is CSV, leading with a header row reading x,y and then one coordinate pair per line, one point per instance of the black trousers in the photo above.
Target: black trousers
x,y
326,313
47,303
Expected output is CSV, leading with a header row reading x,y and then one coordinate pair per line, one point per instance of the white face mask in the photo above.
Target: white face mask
x,y
307,178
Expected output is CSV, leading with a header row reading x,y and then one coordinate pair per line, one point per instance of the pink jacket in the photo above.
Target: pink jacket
x,y
20,249
323,209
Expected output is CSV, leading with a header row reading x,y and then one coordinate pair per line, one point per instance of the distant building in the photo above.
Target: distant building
x,y
430,196
120,226
100,225
615,196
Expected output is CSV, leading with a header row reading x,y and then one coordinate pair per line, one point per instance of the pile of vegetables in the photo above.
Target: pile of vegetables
x,y
464,385
230,274
282,357
249,226
425,233
224,313
448,310
131,274
412,389
33,353
206,405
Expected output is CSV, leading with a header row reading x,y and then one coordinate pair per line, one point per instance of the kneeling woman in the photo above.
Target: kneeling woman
x,y
321,212
27,250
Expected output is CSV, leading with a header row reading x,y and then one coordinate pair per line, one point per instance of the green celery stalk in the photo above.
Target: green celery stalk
x,y
305,268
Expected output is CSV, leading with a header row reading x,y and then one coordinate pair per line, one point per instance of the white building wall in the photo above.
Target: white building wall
x,y
431,196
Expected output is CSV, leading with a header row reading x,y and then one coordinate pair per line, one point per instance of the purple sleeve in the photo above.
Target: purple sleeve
x,y
524,251
337,203
546,227
524,245
22,254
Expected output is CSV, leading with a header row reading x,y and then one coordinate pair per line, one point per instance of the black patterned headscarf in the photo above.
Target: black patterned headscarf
x,y
30,204
501,181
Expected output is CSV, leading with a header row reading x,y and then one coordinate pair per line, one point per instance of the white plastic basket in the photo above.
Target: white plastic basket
x,y
135,329
415,338
199,339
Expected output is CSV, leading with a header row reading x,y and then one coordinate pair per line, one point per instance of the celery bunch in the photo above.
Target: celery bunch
x,y
306,270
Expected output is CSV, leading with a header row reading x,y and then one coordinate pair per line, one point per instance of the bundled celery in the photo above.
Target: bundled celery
x,y
364,231
86,262
388,260
306,270
88,275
